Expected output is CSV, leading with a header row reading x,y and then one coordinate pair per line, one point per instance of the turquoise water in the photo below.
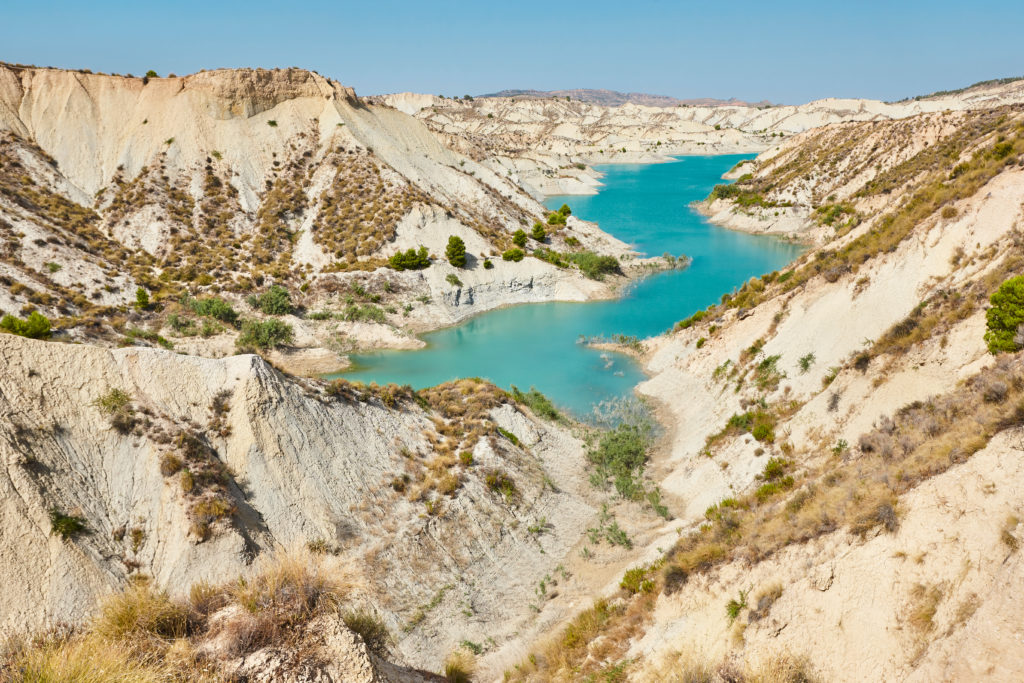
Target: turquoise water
x,y
538,344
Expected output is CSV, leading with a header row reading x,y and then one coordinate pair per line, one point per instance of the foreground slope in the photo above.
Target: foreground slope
x,y
187,469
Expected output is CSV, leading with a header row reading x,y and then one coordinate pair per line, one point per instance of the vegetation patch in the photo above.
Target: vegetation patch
x,y
1005,317
264,335
274,301
35,326
594,266
411,259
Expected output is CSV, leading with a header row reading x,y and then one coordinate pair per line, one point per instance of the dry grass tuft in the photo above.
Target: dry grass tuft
x,y
924,603
142,610
88,659
142,634
459,667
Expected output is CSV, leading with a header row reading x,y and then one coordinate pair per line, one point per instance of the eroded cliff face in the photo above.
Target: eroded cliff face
x,y
200,466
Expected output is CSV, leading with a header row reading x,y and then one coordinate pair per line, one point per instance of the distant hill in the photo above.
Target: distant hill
x,y
612,98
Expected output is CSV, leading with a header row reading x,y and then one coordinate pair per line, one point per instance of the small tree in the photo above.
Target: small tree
x,y
455,252
141,299
565,210
519,238
1006,316
152,74
35,326
538,233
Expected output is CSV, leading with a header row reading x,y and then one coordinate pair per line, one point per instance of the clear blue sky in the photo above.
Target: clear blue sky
x,y
785,51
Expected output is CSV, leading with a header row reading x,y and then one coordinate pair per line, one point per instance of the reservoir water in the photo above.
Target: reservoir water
x,y
538,344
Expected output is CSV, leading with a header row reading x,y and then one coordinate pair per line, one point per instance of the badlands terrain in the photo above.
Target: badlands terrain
x,y
834,494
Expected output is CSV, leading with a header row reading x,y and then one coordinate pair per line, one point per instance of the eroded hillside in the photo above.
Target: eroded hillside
x,y
844,441
140,462
227,182
549,145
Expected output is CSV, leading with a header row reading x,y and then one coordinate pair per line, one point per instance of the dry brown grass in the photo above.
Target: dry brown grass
x,y
361,209
142,610
142,634
459,666
924,603
1008,533
778,668
690,667
577,651
89,659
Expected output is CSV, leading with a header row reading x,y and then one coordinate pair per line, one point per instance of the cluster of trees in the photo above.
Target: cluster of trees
x,y
558,217
35,326
411,259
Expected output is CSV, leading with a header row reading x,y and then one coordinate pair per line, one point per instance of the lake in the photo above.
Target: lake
x,y
539,344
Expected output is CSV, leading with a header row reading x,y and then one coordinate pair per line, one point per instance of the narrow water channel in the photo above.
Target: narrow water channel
x,y
538,344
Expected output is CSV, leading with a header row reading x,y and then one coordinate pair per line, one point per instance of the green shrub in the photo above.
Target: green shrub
x,y
734,607
691,321
509,435
35,326
453,279
540,404
141,299
362,313
266,334
455,252
113,401
213,307
635,581
412,259
620,456
556,218
565,210
487,264
519,238
66,526
152,74
551,256
830,213
1006,316
513,255
594,266
744,196
274,301
538,233
272,123
805,363
498,481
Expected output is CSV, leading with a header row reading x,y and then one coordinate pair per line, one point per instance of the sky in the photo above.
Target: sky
x,y
786,51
